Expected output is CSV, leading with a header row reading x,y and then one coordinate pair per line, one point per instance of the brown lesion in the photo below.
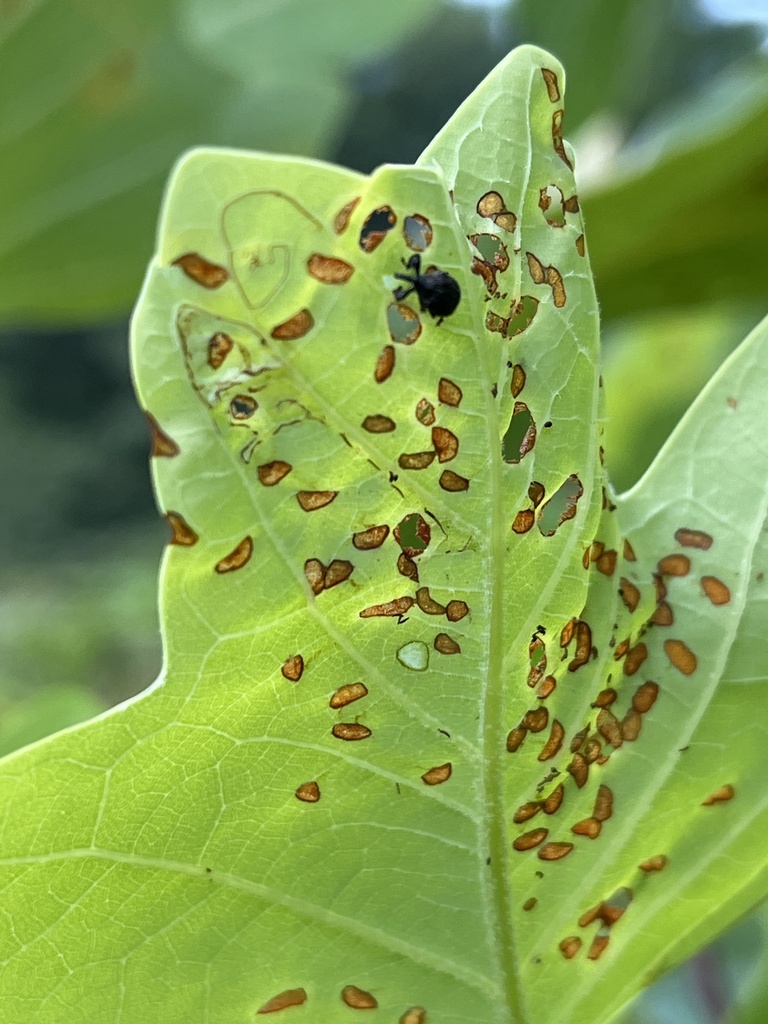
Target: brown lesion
x,y
309,793
425,412
515,738
445,644
416,460
427,603
554,851
693,538
674,565
378,424
163,446
713,588
578,769
493,206
310,501
721,795
237,558
554,801
530,904
393,609
321,577
296,326
553,86
609,727
219,346
546,687
583,634
635,657
202,271
517,382
526,811
606,562
272,473
358,998
554,743
293,668
435,776
681,656
414,1015
456,610
347,694
450,481
377,226
329,269
530,840
547,275
493,260
290,997
446,444
407,567
523,521
536,720
645,697
385,364
373,537
351,731
341,220
656,863
581,248
629,594
570,946
557,137
589,827
449,393
182,533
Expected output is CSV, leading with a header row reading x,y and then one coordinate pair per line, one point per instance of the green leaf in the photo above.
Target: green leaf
x,y
397,759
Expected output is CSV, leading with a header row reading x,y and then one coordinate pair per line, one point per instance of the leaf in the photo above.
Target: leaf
x,y
388,602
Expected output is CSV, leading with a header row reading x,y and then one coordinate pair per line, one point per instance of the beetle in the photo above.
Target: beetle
x,y
439,293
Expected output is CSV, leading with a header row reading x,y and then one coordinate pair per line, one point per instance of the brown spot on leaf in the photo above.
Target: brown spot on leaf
x,y
415,1015
693,538
163,446
295,327
568,631
589,827
446,444
449,393
536,720
358,998
450,481
350,731
338,571
554,743
181,532
603,804
598,947
530,903
309,792
528,840
605,698
547,275
583,646
674,565
523,521
554,800
720,796
645,697
631,725
579,769
310,501
378,424
570,947
341,220
293,668
526,812
554,851
428,604
660,587
407,567
347,694
385,364
328,269
446,644
437,775
219,347
546,687
557,137
236,559
492,205
629,552
515,738
272,473
413,534
416,460
715,590
314,570
635,657
291,997
376,227
553,88
517,382
374,537
657,863
606,563
456,610
425,412
681,656
242,407
609,728
536,493
580,246
201,270
399,606
629,594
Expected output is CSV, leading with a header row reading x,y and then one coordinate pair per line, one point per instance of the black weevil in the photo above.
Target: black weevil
x,y
438,292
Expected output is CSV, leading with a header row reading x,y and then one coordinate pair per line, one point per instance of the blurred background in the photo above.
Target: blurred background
x,y
667,108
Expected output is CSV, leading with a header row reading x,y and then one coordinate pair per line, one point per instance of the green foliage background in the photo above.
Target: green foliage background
x,y
664,109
